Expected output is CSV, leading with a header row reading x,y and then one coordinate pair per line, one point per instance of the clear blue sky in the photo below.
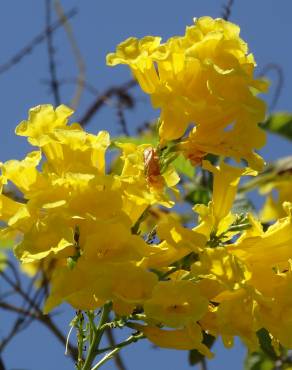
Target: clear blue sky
x,y
99,26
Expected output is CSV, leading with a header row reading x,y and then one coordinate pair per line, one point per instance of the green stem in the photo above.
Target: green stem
x,y
96,337
110,355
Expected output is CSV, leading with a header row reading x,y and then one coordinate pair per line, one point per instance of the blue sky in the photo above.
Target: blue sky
x,y
99,26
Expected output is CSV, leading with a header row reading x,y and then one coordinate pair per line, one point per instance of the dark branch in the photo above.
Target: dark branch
x,y
51,51
279,84
103,98
35,41
2,366
117,358
227,10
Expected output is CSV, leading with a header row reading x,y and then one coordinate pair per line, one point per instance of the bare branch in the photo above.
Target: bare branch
x,y
76,53
279,84
34,42
51,51
117,358
103,98
227,10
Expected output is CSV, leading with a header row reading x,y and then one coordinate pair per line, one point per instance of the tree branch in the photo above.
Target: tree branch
x,y
34,42
103,98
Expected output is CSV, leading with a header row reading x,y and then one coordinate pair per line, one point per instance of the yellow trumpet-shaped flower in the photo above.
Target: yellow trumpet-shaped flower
x,y
217,217
203,78
273,207
43,120
182,339
143,180
176,303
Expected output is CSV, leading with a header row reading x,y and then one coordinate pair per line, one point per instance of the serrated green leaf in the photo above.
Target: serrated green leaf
x,y
280,123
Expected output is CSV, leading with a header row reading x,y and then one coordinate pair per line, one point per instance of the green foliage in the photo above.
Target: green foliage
x,y
258,361
280,123
265,358
199,195
184,167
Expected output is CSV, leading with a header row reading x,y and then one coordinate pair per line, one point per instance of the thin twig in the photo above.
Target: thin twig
x,y
203,364
14,330
227,10
51,52
122,119
89,87
35,312
117,358
34,42
103,98
279,84
2,366
76,53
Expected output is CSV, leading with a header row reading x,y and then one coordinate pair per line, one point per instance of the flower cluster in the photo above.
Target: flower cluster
x,y
205,79
87,228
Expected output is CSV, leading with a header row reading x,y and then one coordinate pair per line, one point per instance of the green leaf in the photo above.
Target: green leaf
x,y
242,205
266,343
258,361
195,356
280,123
183,166
199,195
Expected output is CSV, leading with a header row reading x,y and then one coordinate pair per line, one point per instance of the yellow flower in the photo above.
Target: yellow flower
x,y
89,285
143,181
276,314
271,248
204,78
237,316
217,264
278,191
217,217
181,339
176,303
43,120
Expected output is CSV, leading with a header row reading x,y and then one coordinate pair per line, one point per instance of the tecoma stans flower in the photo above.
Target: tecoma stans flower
x,y
204,78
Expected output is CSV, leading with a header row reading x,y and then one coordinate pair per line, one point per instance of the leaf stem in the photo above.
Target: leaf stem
x,y
96,337
113,352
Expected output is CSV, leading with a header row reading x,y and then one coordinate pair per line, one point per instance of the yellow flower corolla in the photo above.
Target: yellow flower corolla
x,y
204,78
176,303
42,121
273,207
217,264
182,339
143,181
271,248
236,316
73,221
276,314
217,217
267,255
89,285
